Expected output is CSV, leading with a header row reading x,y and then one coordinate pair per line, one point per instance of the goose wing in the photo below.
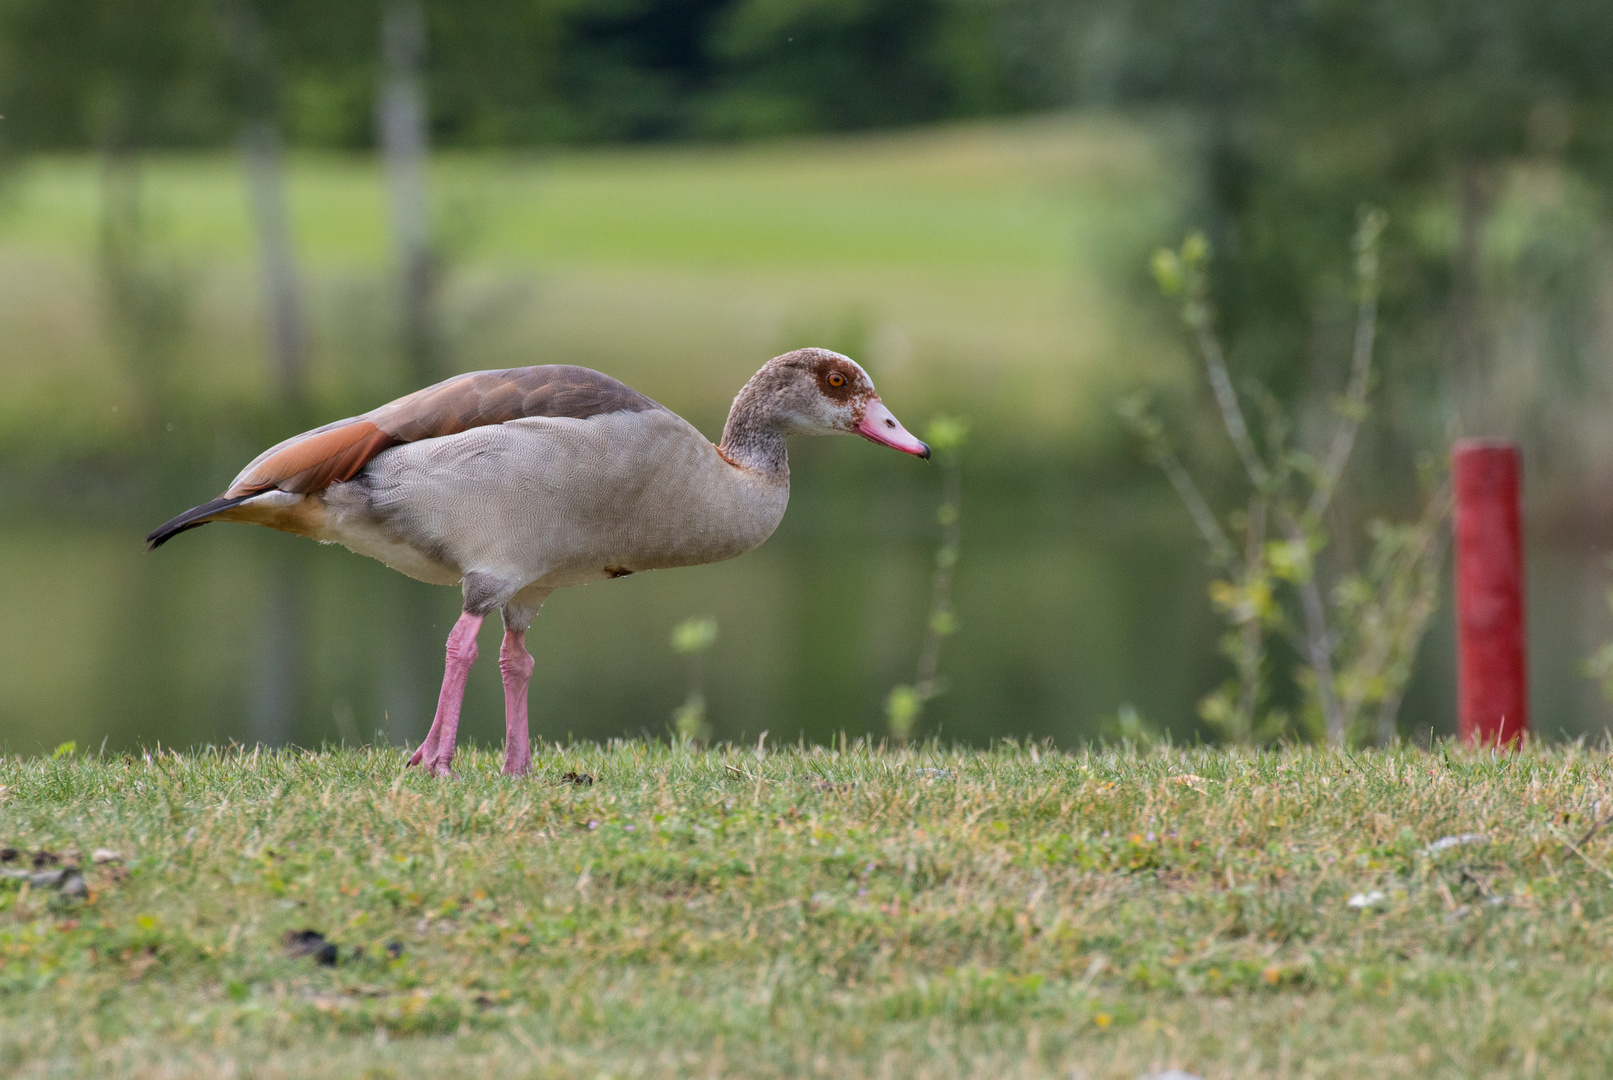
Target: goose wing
x,y
308,463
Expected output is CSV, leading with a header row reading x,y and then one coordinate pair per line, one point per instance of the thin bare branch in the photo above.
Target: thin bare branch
x,y
1250,645
1590,862
1435,538
1220,545
1227,398
1318,642
1354,408
1597,826
1355,396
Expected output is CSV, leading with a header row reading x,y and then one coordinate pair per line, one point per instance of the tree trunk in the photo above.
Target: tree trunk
x,y
278,666
401,124
1468,345
282,292
145,303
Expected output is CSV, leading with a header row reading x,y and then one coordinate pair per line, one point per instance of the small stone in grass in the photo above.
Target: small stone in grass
x,y
310,943
1367,899
104,855
1445,843
67,881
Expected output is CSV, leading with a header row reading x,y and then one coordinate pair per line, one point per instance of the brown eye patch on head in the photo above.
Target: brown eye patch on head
x,y
836,379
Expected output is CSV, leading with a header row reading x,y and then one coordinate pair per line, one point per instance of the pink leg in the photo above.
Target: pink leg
x,y
438,749
516,667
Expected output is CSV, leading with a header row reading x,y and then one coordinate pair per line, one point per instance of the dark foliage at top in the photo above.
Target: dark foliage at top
x,y
500,72
1483,77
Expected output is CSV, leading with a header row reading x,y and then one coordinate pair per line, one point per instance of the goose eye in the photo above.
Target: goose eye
x,y
836,379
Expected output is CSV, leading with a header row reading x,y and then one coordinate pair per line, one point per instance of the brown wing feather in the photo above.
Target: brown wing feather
x,y
316,459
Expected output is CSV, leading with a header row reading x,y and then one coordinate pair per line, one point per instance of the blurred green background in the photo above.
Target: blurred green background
x,y
224,221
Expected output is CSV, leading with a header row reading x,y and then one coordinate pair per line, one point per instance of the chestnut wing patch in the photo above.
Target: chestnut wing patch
x,y
313,461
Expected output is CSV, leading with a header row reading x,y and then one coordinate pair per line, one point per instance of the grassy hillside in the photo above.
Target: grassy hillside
x,y
983,265
1012,913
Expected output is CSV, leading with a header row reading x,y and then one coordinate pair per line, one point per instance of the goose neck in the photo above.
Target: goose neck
x,y
753,437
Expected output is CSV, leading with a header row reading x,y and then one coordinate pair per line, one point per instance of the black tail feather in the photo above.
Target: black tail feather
x,y
192,518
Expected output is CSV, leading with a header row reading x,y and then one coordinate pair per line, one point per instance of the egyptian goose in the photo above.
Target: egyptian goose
x,y
516,483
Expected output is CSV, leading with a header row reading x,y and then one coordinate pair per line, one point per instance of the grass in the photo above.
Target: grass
x,y
1009,195
939,913
984,265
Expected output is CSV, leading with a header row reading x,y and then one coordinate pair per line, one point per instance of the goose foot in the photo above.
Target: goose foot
x,y
436,765
435,754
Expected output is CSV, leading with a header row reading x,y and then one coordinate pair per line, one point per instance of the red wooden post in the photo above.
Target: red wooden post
x,y
1492,656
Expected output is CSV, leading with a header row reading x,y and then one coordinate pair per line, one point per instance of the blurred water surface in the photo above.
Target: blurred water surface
x,y
235,633
1072,601
983,270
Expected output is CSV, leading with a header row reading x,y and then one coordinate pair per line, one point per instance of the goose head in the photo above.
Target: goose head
x,y
818,392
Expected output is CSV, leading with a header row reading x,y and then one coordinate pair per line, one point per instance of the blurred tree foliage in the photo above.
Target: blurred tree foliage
x,y
1300,111
115,75
1443,112
1393,89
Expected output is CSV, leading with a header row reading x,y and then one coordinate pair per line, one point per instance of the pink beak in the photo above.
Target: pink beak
x,y
881,427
